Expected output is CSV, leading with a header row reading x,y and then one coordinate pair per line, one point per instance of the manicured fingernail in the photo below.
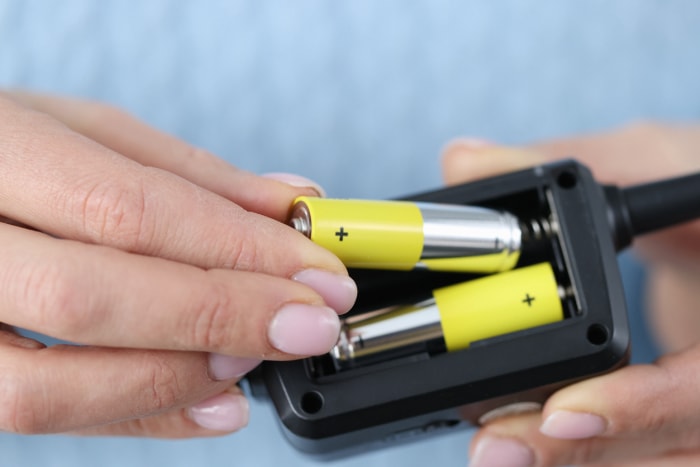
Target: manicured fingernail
x,y
338,291
297,181
225,412
473,143
222,367
302,329
514,408
564,424
493,451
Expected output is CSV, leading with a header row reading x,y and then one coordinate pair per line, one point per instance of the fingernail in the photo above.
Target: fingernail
x,y
338,291
302,329
473,143
297,181
222,367
564,424
500,452
514,408
225,412
465,147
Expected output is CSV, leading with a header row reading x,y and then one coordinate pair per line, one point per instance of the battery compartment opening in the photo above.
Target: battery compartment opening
x,y
386,290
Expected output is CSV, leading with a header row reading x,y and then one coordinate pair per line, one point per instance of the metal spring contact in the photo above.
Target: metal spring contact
x,y
565,291
537,229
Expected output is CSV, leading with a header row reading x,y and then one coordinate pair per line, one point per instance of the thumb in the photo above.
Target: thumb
x,y
637,401
465,160
642,411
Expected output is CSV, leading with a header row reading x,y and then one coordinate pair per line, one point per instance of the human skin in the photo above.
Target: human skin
x,y
171,269
641,415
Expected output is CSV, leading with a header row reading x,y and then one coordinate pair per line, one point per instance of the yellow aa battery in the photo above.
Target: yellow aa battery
x,y
367,234
499,304
459,315
488,263
402,235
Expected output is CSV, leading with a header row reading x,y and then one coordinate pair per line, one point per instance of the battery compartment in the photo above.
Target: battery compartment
x,y
331,413
380,289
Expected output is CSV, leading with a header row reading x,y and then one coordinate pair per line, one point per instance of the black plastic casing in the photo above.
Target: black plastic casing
x,y
333,414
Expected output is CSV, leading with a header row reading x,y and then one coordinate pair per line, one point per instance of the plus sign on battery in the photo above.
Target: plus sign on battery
x,y
528,299
341,234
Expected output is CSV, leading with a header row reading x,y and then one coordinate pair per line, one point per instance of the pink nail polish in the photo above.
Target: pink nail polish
x,y
338,291
222,367
225,412
301,329
297,181
564,424
494,451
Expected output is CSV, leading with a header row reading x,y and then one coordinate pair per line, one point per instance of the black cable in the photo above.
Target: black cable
x,y
645,208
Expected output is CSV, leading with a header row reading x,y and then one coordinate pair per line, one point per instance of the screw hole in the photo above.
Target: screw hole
x,y
567,180
312,402
597,334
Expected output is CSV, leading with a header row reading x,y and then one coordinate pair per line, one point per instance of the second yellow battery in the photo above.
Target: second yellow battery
x,y
499,304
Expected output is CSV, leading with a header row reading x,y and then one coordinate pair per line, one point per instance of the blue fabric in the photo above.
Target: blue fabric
x,y
359,96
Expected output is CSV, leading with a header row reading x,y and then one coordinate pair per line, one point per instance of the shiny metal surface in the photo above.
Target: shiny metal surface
x,y
457,231
378,332
301,219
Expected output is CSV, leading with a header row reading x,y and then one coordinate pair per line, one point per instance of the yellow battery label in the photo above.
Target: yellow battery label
x,y
498,304
491,263
368,234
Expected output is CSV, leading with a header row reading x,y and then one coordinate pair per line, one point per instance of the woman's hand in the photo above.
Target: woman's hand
x,y
639,415
161,260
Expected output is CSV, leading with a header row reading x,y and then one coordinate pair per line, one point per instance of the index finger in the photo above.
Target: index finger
x,y
148,146
65,184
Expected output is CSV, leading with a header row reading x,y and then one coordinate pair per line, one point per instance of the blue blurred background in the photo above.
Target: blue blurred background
x,y
359,96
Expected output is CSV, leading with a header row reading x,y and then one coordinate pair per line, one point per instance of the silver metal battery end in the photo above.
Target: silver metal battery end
x,y
380,331
301,219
